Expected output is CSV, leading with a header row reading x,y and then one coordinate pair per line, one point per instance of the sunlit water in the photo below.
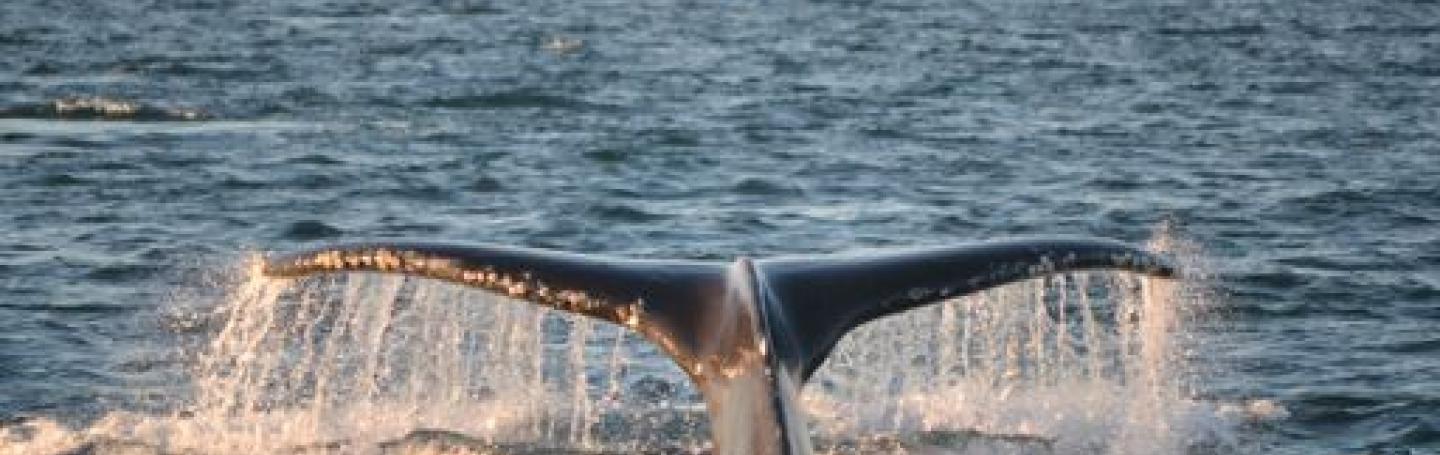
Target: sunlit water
x,y
1089,363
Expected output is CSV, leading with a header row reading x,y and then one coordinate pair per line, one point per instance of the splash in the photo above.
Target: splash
x,y
1090,363
372,364
1085,363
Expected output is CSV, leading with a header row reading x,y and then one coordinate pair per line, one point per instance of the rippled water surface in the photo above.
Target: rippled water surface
x,y
145,145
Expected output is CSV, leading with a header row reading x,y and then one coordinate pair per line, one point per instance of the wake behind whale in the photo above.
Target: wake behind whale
x,y
364,363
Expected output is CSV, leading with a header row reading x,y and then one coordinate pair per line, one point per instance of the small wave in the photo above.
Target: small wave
x,y
240,183
412,229
15,136
61,180
1394,31
607,155
309,95
485,184
515,99
1409,417
100,108
99,218
315,158
1415,69
673,137
419,190
312,181
764,187
121,272
1424,346
1371,203
624,213
472,9
82,308
311,230
1233,30
216,66
1339,263
1293,87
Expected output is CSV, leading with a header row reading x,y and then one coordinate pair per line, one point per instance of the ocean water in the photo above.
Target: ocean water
x,y
147,148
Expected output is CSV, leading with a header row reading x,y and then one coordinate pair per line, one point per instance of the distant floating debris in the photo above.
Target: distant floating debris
x,y
562,45
100,108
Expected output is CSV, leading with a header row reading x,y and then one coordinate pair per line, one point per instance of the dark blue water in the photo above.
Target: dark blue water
x,y
1298,141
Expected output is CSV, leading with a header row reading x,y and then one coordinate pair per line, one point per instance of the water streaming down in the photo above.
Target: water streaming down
x,y
381,357
364,363
368,363
1088,363
1039,367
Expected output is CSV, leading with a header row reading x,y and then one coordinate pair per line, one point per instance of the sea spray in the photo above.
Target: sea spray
x,y
1085,363
1081,363
362,359
368,363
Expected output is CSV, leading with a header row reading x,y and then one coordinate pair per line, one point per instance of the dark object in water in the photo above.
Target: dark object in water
x,y
749,333
99,108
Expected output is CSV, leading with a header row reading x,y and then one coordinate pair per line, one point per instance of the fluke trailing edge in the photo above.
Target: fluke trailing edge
x,y
749,333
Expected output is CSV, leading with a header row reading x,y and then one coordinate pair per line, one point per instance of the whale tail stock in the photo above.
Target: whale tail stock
x,y
750,333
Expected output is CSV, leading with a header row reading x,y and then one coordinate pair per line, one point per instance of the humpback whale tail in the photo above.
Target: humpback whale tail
x,y
749,333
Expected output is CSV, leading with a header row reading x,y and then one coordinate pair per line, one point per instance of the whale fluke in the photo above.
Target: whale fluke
x,y
748,333
668,296
824,297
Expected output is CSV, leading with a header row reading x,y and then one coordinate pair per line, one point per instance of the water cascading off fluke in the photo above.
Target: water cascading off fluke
x,y
749,334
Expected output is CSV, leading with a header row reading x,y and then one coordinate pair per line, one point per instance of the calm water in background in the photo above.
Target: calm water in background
x,y
1299,142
